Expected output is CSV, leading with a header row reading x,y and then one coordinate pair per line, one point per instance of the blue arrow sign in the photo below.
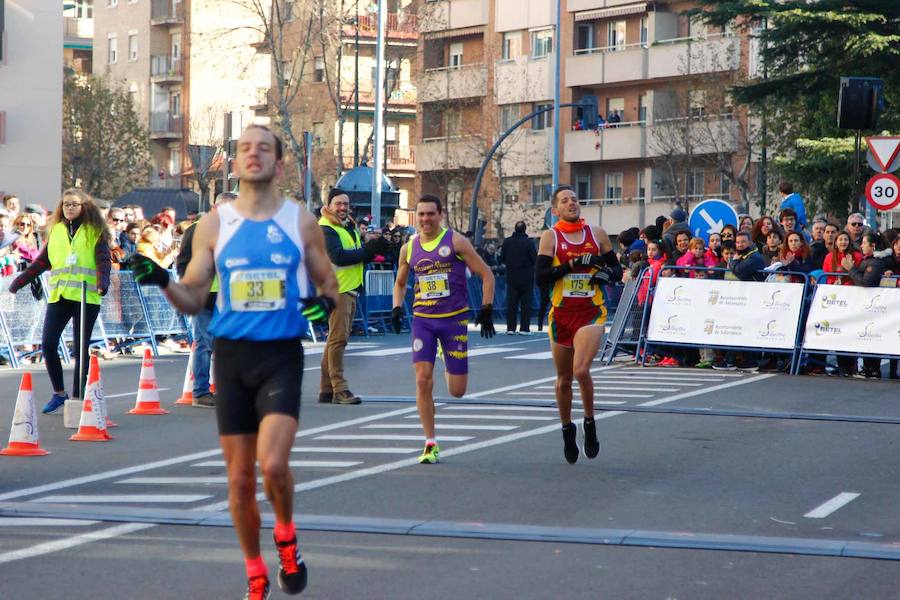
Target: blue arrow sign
x,y
710,216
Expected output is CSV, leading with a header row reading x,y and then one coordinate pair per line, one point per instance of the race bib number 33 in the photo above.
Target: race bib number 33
x,y
434,286
577,285
258,290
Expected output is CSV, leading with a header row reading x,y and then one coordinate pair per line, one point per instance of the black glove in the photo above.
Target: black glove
x,y
587,260
601,277
147,272
396,319
317,308
485,318
375,247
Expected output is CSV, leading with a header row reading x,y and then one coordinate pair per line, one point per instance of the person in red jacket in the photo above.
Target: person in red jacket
x,y
840,260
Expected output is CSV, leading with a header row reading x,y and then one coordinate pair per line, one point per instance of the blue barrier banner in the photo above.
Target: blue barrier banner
x,y
161,317
122,314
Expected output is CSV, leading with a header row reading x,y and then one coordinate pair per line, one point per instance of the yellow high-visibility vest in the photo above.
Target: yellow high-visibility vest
x,y
350,277
73,262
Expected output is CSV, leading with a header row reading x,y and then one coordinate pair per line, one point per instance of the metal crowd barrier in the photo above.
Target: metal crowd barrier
x,y
625,332
129,315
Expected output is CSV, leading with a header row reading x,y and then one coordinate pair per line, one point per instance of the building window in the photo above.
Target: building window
x,y
112,3
391,75
641,186
174,161
512,45
615,39
584,39
541,43
615,109
319,70
543,120
452,123
175,41
583,186
642,108
696,104
509,190
724,187
540,190
287,14
132,94
132,47
175,104
112,49
694,183
614,186
645,32
84,9
509,114
456,54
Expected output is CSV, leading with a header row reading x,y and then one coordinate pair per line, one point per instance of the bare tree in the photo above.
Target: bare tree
x,y
205,148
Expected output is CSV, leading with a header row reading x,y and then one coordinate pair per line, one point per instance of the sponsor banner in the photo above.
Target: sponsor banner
x,y
711,312
854,319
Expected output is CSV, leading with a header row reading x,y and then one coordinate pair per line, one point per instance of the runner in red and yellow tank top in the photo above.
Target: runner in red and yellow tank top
x,y
578,261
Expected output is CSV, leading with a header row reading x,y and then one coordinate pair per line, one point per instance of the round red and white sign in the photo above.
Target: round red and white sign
x,y
883,191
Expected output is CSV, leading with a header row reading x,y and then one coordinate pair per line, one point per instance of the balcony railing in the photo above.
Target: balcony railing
x,y
399,26
164,124
404,96
80,28
166,12
261,104
399,158
163,66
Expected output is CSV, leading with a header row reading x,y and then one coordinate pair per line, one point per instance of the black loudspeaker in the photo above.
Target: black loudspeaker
x,y
860,102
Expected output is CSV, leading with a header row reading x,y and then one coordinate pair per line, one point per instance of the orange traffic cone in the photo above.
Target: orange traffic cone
x,y
23,435
187,390
92,427
94,359
147,402
212,370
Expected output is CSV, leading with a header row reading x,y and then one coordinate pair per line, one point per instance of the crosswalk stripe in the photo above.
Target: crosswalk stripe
x,y
443,426
533,356
597,393
503,408
294,463
493,417
382,352
346,450
484,351
175,480
122,499
389,437
42,522
680,371
310,350
645,380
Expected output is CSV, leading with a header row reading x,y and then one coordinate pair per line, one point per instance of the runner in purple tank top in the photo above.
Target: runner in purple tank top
x,y
438,259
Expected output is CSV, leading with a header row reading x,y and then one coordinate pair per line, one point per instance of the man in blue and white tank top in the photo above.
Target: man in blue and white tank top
x,y
438,259
268,253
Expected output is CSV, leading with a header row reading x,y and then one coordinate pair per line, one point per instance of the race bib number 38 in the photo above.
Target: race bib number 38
x,y
434,286
255,290
577,285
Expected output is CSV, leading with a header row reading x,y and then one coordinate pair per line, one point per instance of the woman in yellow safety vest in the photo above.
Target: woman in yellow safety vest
x,y
77,251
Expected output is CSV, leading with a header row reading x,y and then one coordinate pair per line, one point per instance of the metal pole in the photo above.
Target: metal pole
x,y
379,107
356,95
82,340
855,198
226,138
307,175
557,42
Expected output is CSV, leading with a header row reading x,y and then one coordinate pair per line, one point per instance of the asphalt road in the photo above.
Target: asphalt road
x,y
708,485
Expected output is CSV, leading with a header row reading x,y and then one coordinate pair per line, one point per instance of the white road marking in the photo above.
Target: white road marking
x,y
134,393
500,408
350,450
40,522
176,480
701,391
489,350
635,388
50,487
534,356
121,499
679,371
390,437
839,501
320,464
317,349
524,384
492,417
645,380
442,426
597,394
72,542
382,352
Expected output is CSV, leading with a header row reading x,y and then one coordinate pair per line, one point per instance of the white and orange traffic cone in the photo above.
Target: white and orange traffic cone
x,y
212,371
187,390
147,402
92,427
100,392
23,435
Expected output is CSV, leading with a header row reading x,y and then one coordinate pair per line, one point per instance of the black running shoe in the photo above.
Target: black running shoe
x,y
591,443
570,448
292,573
258,588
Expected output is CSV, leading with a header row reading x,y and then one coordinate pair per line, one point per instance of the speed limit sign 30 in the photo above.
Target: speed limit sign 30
x,y
883,191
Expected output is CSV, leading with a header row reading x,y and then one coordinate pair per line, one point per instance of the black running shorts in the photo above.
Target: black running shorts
x,y
255,379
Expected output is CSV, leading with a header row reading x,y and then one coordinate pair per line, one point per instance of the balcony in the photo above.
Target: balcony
x,y
166,12
443,15
710,134
524,79
166,70
404,95
165,126
79,28
400,26
580,5
400,159
665,58
623,141
453,83
261,104
527,155
450,153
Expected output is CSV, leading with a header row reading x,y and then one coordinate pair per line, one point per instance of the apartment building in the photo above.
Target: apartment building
x,y
31,84
78,31
665,133
336,102
186,63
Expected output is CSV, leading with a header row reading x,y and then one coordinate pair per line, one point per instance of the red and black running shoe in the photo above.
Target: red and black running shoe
x,y
258,588
292,573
